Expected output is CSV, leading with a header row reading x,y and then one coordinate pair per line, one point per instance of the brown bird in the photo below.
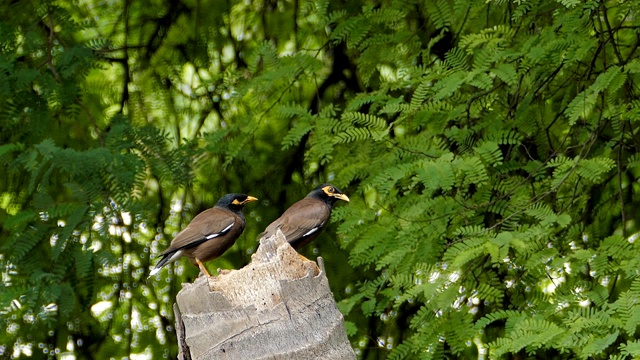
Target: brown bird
x,y
303,221
209,234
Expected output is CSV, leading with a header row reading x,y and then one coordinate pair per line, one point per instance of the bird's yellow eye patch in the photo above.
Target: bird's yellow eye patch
x,y
236,202
328,190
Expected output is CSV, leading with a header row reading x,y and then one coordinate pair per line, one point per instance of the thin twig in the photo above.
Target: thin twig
x,y
50,48
611,36
479,95
619,166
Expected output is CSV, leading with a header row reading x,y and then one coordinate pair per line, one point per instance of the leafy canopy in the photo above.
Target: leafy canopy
x,y
489,149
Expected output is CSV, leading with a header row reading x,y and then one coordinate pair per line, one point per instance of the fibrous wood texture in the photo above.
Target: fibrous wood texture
x,y
277,307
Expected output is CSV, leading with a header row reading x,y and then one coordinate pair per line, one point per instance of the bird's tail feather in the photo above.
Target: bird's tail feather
x,y
166,259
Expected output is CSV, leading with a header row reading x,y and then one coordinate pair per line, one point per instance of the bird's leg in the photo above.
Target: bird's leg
x,y
202,268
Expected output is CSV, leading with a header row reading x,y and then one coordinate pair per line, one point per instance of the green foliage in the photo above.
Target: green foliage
x,y
515,193
489,149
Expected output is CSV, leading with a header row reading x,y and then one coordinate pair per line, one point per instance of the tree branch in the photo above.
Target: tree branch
x,y
239,314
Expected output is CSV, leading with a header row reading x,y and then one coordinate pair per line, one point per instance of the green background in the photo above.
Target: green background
x,y
489,148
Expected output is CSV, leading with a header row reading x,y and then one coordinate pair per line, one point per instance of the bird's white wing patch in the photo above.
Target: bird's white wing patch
x,y
212,236
311,231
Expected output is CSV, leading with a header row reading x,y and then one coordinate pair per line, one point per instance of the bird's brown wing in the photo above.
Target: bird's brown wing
x,y
303,219
209,224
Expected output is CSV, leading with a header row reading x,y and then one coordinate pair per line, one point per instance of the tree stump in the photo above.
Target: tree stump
x,y
279,306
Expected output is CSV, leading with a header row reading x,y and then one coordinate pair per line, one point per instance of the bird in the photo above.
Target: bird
x,y
303,221
209,234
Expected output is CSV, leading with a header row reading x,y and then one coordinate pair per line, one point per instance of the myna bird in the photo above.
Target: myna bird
x,y
303,221
209,234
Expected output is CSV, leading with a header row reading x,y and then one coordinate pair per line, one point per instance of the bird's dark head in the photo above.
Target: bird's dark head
x,y
328,193
235,202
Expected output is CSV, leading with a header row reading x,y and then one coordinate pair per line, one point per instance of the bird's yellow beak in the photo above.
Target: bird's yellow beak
x,y
341,197
249,199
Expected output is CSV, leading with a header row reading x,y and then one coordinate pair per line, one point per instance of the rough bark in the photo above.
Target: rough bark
x,y
277,307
